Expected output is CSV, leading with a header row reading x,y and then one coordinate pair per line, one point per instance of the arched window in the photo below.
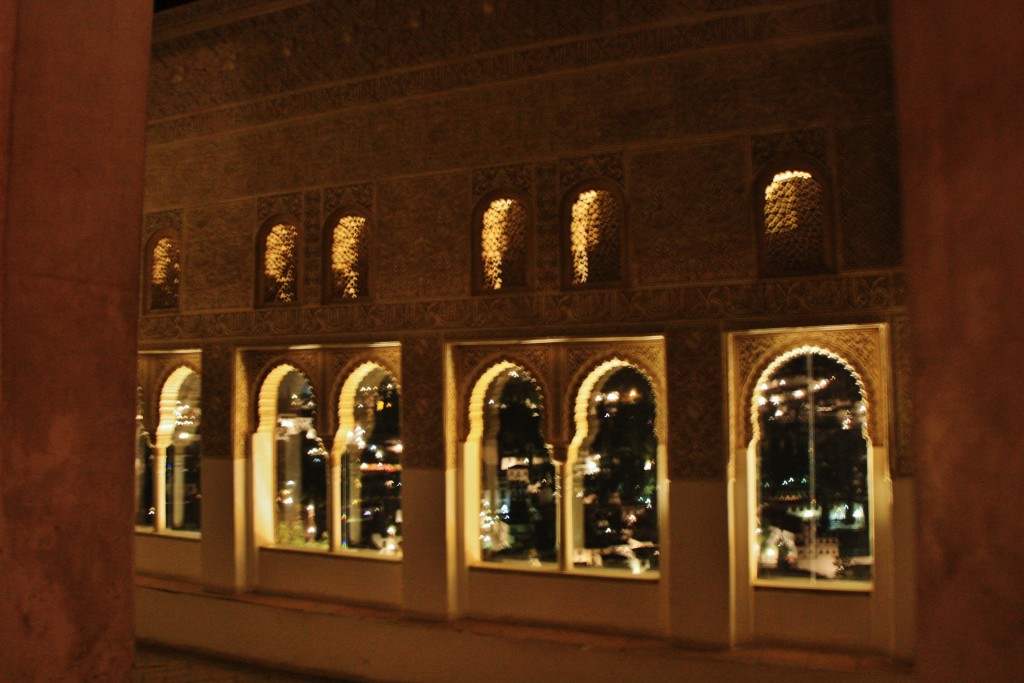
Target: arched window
x,y
596,223
278,261
347,260
615,484
164,272
812,484
794,237
518,485
501,234
177,460
145,512
371,462
300,466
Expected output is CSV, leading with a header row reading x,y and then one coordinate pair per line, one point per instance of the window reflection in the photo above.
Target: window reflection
x,y
518,514
183,490
615,477
301,467
812,462
145,512
372,463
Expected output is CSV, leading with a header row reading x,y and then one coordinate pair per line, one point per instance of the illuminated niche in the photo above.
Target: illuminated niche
x,y
503,235
614,472
595,236
300,464
279,272
369,435
812,521
348,258
794,235
164,274
519,485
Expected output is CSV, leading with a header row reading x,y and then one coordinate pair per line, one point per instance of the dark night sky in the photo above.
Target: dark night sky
x,y
159,5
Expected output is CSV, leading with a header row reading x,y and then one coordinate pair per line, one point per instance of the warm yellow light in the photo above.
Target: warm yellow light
x,y
279,262
502,242
593,237
792,199
347,246
165,274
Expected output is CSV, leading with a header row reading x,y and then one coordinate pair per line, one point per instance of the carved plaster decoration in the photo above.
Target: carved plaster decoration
x,y
864,347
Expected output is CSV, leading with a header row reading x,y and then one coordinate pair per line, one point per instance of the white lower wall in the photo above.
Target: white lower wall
x,y
168,554
348,578
366,644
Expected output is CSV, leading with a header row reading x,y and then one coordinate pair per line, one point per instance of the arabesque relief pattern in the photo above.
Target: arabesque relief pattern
x,y
864,347
326,368
559,367
423,395
309,107
695,379
554,313
337,63
153,369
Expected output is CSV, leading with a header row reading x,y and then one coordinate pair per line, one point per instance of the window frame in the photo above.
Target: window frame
x,y
562,381
764,607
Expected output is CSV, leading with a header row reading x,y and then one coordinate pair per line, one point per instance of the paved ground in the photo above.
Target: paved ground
x,y
161,665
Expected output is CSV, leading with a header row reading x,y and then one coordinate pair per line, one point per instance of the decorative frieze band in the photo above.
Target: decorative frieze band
x,y
879,293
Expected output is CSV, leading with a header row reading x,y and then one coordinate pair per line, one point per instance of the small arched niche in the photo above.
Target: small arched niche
x,y
290,464
510,471
178,452
594,235
501,236
163,272
795,234
278,261
368,448
347,257
812,516
613,462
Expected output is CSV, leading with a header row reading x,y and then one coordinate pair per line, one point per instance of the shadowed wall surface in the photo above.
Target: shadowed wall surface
x,y
71,131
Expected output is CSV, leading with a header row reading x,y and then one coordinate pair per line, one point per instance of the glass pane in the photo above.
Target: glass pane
x,y
615,477
145,512
372,495
301,467
183,496
518,492
812,464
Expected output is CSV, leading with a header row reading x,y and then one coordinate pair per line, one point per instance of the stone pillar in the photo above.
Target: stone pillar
x,y
701,572
961,99
224,472
72,125
428,515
